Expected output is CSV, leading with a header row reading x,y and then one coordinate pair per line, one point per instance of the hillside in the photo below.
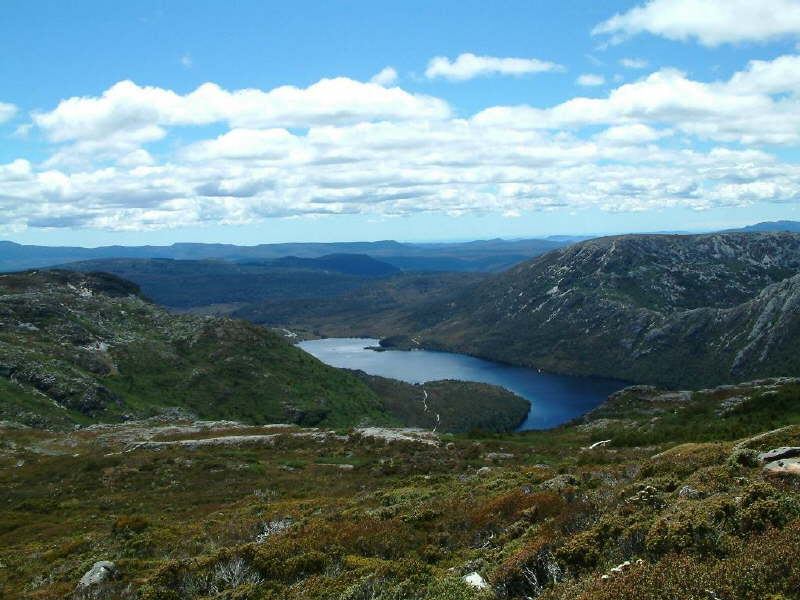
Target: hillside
x,y
450,406
674,310
195,283
401,303
82,347
653,496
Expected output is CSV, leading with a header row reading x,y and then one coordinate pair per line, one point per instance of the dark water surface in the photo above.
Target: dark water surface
x,y
554,398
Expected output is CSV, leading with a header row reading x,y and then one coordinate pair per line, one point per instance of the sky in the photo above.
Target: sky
x,y
156,121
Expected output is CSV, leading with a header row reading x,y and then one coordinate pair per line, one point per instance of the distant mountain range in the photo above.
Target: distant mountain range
x,y
492,255
792,226
482,255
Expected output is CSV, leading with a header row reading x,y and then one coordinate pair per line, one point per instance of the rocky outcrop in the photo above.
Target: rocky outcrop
x,y
412,435
100,573
787,468
779,453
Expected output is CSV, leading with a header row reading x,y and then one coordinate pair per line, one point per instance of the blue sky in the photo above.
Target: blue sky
x,y
127,122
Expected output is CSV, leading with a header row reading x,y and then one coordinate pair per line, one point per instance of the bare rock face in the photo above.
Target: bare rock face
x,y
779,453
100,573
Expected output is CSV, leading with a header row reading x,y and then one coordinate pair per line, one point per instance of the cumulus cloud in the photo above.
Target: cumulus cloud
x,y
405,153
469,66
632,134
590,79
752,107
129,111
768,77
265,144
386,76
7,111
711,22
18,170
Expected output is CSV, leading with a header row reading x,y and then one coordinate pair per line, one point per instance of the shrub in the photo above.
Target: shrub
x,y
129,524
744,457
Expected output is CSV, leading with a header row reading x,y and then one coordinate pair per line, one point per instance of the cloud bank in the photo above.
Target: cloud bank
x,y
341,146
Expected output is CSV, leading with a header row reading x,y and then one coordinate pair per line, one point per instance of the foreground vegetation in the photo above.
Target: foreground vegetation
x,y
652,512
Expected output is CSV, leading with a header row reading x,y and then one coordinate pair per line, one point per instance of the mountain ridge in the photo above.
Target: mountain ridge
x,y
670,310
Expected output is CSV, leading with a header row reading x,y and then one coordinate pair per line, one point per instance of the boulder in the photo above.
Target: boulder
x,y
688,491
483,471
786,467
560,483
779,453
475,580
498,456
100,572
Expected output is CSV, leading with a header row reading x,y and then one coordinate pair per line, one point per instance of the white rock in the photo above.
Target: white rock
x,y
100,572
475,580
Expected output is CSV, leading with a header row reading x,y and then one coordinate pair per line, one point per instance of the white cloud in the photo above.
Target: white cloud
x,y
387,76
375,151
187,61
749,108
632,134
768,77
7,111
22,131
265,144
136,158
128,110
633,63
468,66
711,22
18,170
590,79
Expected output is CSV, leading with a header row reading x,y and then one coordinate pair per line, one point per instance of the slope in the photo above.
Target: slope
x,y
86,347
675,310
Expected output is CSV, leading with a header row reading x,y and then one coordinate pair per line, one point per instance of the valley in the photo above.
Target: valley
x,y
153,454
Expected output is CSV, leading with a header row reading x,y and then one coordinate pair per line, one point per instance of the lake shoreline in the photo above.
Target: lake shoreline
x,y
554,398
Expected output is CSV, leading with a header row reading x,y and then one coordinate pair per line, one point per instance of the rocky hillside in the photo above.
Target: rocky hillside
x,y
76,348
675,310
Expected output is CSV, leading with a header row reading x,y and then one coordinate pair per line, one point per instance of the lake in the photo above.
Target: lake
x,y
554,398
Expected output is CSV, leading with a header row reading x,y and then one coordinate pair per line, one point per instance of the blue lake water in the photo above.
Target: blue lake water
x,y
554,399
